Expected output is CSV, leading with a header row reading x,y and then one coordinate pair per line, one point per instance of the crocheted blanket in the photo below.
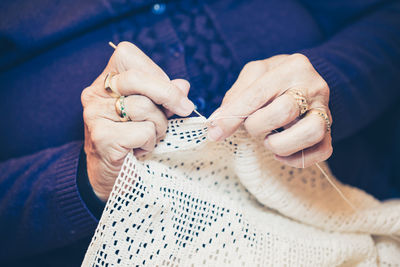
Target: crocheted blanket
x,y
195,202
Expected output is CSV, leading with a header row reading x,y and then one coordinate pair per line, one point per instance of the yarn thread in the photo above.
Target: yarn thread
x,y
303,161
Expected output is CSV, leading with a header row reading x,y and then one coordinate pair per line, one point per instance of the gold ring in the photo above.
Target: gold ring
x,y
121,109
322,113
107,85
301,100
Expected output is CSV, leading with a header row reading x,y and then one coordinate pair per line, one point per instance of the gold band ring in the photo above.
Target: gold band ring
x,y
322,113
121,109
301,100
107,85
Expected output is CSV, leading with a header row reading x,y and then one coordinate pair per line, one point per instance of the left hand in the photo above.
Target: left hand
x,y
261,93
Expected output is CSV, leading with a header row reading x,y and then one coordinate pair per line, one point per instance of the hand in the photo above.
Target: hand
x,y
261,96
147,88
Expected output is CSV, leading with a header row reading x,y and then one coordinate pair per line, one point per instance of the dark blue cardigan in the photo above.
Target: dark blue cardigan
x,y
51,50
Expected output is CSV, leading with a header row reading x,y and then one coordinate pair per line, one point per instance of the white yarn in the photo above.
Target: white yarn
x,y
194,202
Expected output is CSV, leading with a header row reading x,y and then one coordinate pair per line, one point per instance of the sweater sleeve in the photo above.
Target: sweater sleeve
x,y
40,204
361,64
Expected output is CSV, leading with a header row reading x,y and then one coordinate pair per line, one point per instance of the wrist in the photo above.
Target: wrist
x,y
97,189
92,200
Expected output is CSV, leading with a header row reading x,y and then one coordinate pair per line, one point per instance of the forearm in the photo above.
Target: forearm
x,y
41,208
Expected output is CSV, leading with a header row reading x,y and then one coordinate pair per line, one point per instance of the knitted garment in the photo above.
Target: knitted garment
x,y
195,202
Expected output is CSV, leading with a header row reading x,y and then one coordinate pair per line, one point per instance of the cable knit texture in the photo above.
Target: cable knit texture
x,y
196,202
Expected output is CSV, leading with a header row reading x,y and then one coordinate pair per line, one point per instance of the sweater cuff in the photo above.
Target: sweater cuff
x,y
82,221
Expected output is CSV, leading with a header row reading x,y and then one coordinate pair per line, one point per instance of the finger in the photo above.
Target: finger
x,y
282,110
113,140
184,86
128,56
161,92
317,153
305,133
132,135
250,73
281,75
244,103
125,57
140,108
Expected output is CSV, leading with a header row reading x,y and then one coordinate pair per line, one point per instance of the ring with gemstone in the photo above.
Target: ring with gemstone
x,y
322,113
107,85
121,109
301,100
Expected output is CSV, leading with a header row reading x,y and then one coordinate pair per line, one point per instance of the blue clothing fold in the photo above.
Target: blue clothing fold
x,y
51,50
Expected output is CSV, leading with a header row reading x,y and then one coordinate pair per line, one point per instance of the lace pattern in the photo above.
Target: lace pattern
x,y
194,202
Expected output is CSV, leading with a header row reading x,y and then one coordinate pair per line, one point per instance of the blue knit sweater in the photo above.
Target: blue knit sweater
x,y
51,50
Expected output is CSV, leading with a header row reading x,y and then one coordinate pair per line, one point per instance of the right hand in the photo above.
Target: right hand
x,y
150,97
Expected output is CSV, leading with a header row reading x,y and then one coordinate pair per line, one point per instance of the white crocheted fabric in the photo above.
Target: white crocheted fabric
x,y
194,202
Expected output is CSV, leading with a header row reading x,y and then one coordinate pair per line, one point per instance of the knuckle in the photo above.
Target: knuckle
x,y
299,59
145,103
249,126
320,131
253,100
323,85
278,148
286,116
254,65
149,137
150,144
171,91
149,131
125,44
115,158
328,151
319,90
287,111
124,48
169,96
279,110
98,135
86,96
273,145
141,104
228,96
316,130
89,113
163,128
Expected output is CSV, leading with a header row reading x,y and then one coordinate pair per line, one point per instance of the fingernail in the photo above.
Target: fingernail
x,y
187,106
215,133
